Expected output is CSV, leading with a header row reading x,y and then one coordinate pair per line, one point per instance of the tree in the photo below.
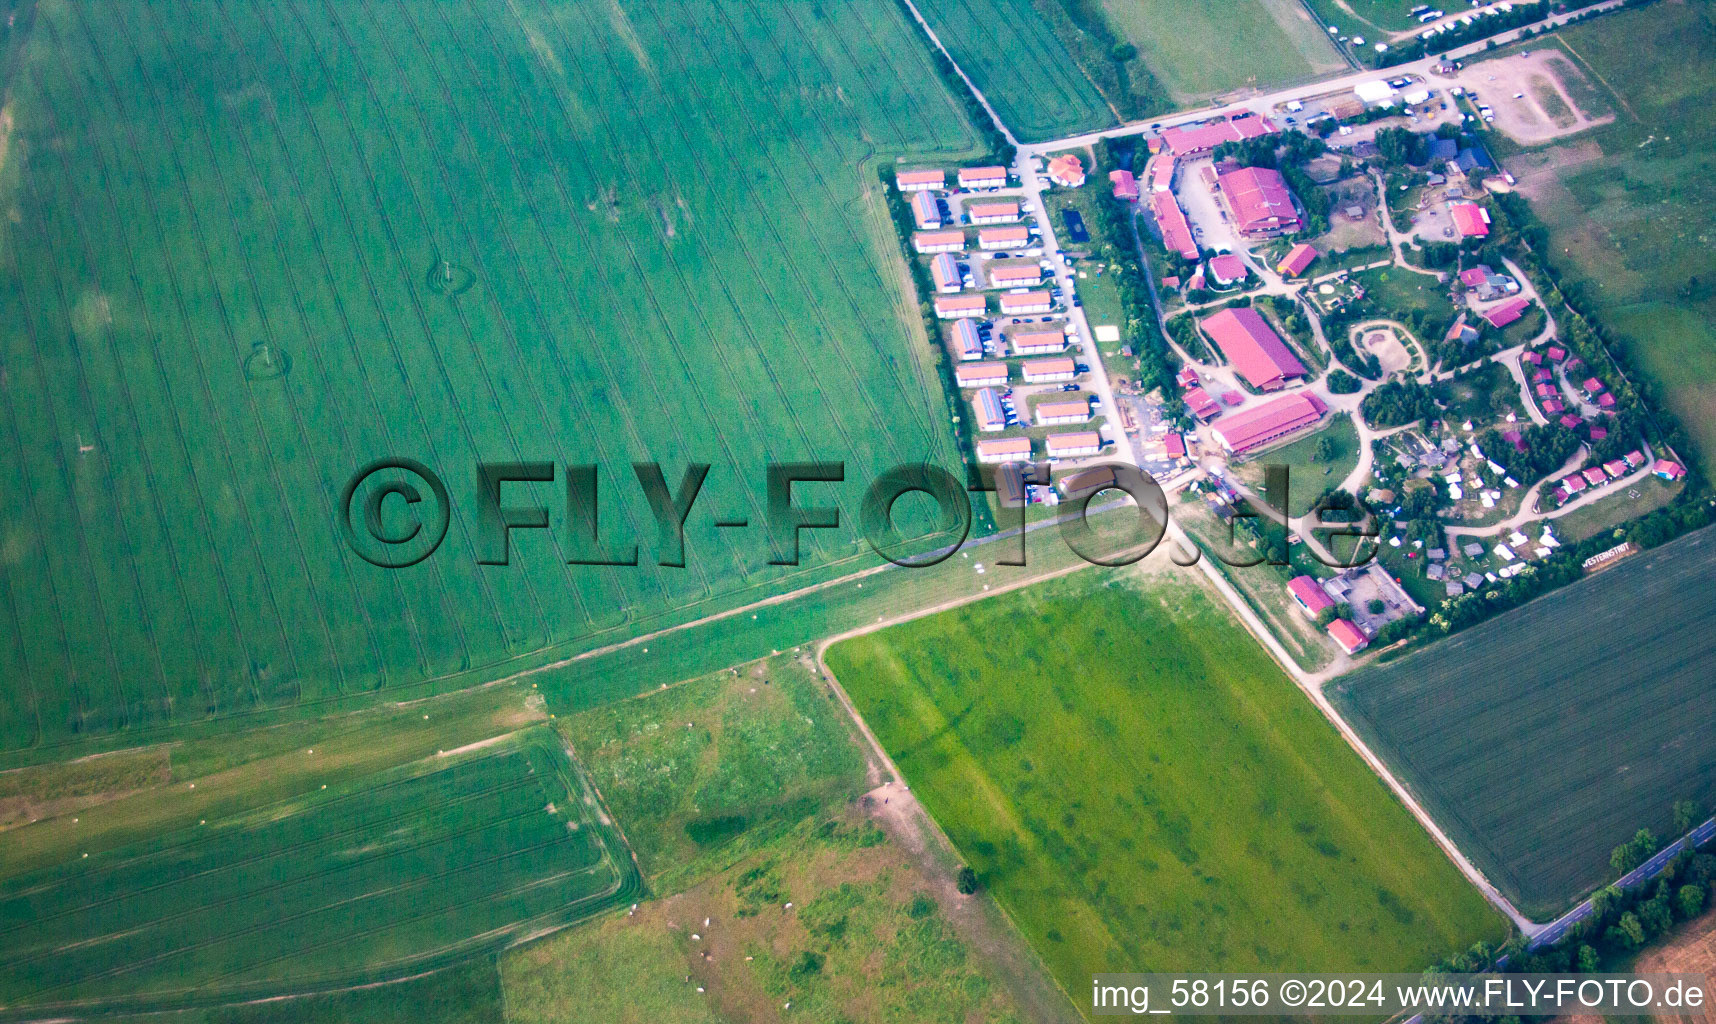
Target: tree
x,y
966,881
1376,606
1689,901
1656,916
1685,816
1341,382
1627,934
1325,450
1589,961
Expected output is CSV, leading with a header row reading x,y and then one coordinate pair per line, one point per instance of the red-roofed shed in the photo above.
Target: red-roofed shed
x,y
1470,220
1309,595
1350,638
1507,312
1297,259
1569,421
1125,184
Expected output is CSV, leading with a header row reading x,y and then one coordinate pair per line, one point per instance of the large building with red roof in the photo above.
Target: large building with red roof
x,y
1067,171
1253,347
1197,139
1271,421
1176,232
1470,220
1259,202
921,180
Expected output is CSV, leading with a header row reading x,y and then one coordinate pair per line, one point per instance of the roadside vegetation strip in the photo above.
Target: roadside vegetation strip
x,y
434,861
620,306
1110,734
1545,737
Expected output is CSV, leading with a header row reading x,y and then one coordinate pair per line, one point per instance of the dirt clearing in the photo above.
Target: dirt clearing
x,y
1535,96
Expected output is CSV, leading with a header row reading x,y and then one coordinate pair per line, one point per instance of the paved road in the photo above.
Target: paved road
x,y
1643,873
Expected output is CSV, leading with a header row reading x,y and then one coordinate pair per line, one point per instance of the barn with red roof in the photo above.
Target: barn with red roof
x,y
1259,202
1268,422
1470,220
1253,347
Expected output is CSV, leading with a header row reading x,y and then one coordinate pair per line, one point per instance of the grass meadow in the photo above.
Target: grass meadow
x,y
420,866
251,247
1307,476
1199,50
1631,205
1142,789
1546,737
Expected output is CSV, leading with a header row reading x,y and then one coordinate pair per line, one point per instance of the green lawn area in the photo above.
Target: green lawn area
x,y
1632,221
1142,789
1199,50
1307,475
1543,738
270,247
1394,292
1367,17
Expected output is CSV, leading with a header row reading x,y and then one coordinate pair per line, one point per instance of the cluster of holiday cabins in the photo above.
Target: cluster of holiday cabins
x,y
1021,284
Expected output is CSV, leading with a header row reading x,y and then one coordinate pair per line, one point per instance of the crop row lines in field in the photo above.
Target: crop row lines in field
x,y
513,250
202,836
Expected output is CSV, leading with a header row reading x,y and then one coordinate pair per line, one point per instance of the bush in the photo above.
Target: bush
x,y
966,881
1340,382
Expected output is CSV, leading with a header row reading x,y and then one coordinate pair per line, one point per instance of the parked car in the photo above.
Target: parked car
x,y
1070,387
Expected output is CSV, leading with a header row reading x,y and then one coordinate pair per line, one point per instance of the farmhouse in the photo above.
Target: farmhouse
x,y
1309,595
982,177
1227,269
1253,348
1003,449
945,273
1013,303
1049,371
1125,185
1054,414
1668,470
1347,636
1507,312
1003,238
1086,482
1198,139
1268,422
1176,232
921,181
1258,200
1066,171
952,307
925,211
1014,274
990,417
1066,446
1039,343
1470,220
1201,405
980,375
1297,259
967,343
939,241
993,213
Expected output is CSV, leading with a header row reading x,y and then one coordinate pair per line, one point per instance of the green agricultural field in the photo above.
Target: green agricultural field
x,y
1542,739
1014,57
434,862
252,247
1631,205
1142,789
1200,50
